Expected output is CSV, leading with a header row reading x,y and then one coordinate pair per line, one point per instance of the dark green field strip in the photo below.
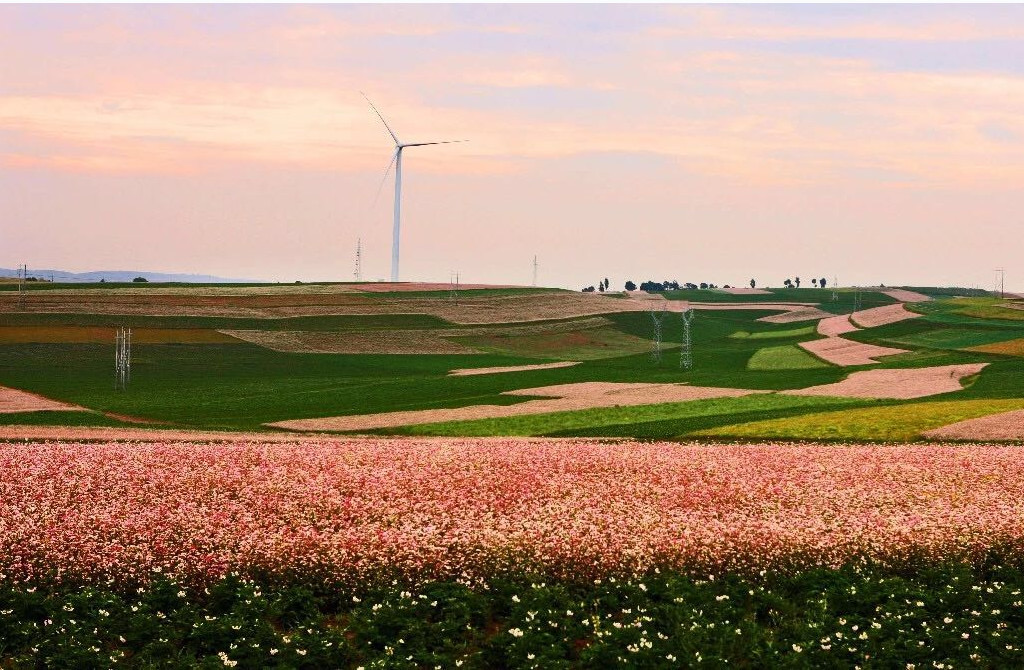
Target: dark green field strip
x,y
664,420
243,386
59,419
949,291
315,323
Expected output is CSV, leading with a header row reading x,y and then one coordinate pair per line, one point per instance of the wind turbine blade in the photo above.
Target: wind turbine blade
x,y
380,188
390,132
426,144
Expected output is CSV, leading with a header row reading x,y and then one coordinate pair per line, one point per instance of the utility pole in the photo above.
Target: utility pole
x,y
1002,282
534,270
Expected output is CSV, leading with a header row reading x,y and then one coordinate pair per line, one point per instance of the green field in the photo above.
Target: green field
x,y
785,357
243,386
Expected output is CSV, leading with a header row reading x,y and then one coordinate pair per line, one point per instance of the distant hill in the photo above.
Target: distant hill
x,y
123,276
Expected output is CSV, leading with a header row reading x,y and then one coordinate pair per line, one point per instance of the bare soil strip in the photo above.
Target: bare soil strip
x,y
839,351
464,372
558,398
65,433
1002,426
897,384
903,295
795,315
836,325
13,400
882,316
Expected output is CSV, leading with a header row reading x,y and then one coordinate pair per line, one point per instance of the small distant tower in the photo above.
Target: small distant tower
x,y
835,289
359,259
534,270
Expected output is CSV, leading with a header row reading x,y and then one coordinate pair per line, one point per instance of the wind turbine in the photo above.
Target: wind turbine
x,y
396,160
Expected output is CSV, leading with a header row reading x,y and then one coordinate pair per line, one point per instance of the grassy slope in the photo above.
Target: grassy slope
x,y
58,419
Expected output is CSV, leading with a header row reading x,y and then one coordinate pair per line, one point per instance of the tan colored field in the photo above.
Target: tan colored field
x,y
836,325
839,351
898,384
13,400
89,334
466,372
904,295
1003,426
565,397
882,316
588,337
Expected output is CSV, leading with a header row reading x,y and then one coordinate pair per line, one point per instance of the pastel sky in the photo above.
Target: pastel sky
x,y
692,142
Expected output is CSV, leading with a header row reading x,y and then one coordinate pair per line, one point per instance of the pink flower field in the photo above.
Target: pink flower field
x,y
349,512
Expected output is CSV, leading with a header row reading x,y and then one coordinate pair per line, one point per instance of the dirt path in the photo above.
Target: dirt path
x,y
564,397
66,433
13,400
465,372
1002,426
898,384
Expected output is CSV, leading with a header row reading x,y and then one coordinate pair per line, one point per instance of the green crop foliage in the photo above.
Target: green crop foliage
x,y
950,614
775,334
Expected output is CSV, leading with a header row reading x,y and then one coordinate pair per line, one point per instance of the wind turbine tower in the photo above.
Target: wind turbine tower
x,y
396,160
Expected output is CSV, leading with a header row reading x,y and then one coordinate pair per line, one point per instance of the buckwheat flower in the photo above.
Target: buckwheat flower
x,y
797,648
515,632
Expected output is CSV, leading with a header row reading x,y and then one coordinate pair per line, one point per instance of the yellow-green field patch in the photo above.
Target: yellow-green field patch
x,y
786,357
889,422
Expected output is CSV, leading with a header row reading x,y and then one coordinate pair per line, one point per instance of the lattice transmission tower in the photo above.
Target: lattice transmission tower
x,y
686,353
835,290
657,316
122,358
858,301
534,270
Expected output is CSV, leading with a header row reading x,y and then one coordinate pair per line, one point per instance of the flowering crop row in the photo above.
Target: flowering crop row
x,y
349,512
